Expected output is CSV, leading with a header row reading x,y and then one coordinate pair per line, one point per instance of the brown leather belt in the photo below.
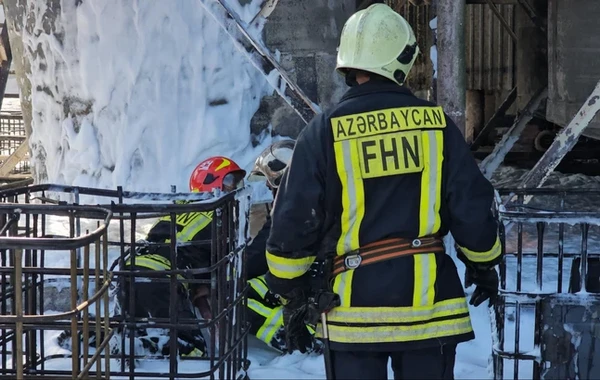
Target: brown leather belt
x,y
386,250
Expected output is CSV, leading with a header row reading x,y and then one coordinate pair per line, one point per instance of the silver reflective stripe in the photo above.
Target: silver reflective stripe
x,y
270,326
378,334
434,186
259,286
351,190
259,308
200,220
445,308
425,273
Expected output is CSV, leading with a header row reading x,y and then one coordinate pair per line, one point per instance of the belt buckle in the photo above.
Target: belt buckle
x,y
416,243
352,261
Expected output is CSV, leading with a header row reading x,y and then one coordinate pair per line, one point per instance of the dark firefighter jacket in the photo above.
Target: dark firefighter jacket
x,y
384,164
256,262
191,227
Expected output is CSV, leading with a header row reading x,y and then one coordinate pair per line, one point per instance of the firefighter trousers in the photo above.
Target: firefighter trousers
x,y
152,299
428,363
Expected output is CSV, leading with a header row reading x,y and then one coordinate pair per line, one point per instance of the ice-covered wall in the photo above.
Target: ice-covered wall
x,y
132,92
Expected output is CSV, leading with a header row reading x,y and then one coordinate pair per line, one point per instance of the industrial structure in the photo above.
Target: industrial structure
x,y
517,76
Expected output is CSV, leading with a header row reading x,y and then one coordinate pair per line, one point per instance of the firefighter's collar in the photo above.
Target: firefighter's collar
x,y
375,86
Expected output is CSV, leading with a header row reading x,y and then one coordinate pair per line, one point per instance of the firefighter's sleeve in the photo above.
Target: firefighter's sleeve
x,y
469,198
298,210
256,262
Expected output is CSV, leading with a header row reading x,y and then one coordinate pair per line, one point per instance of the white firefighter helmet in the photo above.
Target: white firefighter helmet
x,y
377,40
272,162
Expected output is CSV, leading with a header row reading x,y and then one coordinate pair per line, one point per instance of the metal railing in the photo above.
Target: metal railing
x,y
549,238
25,254
132,213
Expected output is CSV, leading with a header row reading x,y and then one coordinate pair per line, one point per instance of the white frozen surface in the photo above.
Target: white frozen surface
x,y
137,93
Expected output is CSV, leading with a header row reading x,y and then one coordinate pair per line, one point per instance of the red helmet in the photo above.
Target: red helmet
x,y
217,172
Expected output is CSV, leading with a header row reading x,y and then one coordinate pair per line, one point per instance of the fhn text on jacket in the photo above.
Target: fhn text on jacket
x,y
373,186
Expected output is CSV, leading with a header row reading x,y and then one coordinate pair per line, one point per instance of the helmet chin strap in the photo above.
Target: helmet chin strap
x,y
351,78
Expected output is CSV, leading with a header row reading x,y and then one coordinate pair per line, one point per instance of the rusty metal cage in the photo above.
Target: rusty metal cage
x,y
132,214
25,255
543,323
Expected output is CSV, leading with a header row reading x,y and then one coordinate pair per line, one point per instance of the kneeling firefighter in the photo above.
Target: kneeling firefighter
x,y
373,186
152,298
265,311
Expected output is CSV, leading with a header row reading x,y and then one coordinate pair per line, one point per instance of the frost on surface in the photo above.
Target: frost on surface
x,y
136,93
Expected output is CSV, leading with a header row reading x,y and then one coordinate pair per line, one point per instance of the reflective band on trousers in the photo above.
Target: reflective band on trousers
x,y
482,257
288,268
390,334
391,315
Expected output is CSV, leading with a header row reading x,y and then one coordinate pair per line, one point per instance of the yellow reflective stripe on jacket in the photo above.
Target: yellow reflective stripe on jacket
x,y
391,334
431,182
259,308
425,272
192,223
200,222
353,195
273,320
404,314
154,262
482,257
342,285
288,268
259,286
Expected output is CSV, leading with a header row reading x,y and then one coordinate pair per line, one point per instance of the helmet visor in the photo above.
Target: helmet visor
x,y
233,181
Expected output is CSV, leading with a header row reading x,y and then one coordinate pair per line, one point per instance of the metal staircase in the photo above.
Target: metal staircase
x,y
14,147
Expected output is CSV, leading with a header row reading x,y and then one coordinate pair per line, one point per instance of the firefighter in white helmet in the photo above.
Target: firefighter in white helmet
x,y
373,186
265,311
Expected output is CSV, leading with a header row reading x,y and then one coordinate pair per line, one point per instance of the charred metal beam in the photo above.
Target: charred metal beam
x,y
262,59
491,124
503,21
493,161
532,15
565,140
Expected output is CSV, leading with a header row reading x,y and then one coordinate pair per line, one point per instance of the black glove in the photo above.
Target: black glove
x,y
297,335
486,281
301,311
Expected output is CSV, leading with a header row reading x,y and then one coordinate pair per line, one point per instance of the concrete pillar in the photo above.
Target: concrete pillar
x,y
451,82
307,35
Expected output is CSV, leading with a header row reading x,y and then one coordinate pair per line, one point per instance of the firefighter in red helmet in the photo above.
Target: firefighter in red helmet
x,y
219,173
153,298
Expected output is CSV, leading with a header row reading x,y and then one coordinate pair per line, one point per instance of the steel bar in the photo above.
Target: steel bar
x,y
262,59
565,141
493,161
491,124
